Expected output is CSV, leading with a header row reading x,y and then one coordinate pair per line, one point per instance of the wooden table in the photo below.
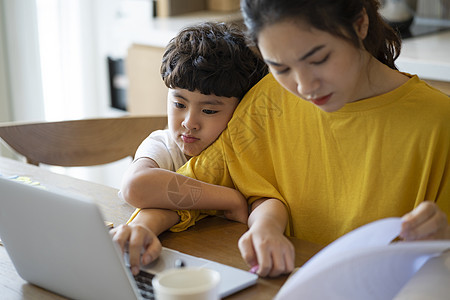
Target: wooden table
x,y
213,238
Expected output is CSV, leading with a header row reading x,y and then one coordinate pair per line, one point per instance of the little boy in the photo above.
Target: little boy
x,y
208,68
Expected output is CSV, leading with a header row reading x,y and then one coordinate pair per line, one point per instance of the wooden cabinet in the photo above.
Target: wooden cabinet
x,y
147,93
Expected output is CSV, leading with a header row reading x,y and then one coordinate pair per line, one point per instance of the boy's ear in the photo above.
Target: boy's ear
x,y
362,25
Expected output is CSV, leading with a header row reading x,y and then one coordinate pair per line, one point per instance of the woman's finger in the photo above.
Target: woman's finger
x,y
423,222
247,250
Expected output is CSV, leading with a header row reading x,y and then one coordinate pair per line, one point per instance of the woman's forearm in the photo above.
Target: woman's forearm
x,y
268,212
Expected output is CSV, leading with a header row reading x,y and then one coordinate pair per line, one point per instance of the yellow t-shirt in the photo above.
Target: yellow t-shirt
x,y
374,158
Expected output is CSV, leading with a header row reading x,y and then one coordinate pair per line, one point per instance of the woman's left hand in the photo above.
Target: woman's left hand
x,y
425,222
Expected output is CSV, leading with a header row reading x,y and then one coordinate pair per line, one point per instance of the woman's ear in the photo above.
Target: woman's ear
x,y
362,25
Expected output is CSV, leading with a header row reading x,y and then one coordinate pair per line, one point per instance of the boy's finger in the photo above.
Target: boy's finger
x,y
121,236
137,243
152,251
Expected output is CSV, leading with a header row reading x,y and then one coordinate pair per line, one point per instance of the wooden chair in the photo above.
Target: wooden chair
x,y
87,142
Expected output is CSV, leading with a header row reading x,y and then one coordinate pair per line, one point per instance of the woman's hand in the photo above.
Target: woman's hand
x,y
264,247
267,251
141,243
425,222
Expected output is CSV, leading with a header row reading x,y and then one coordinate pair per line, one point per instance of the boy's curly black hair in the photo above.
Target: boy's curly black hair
x,y
212,58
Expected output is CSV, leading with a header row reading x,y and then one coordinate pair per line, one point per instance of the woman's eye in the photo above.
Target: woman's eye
x,y
179,105
282,71
209,111
322,60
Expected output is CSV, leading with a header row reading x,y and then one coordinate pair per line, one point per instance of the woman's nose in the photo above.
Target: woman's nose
x,y
307,84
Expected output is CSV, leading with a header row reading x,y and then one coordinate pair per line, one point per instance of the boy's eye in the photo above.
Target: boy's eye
x,y
179,105
209,111
322,60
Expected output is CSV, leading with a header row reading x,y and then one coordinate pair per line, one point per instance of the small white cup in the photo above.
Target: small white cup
x,y
187,284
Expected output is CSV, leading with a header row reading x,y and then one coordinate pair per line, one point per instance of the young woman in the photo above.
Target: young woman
x,y
333,138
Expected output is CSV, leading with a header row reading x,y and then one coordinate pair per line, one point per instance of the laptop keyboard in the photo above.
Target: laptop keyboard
x,y
144,284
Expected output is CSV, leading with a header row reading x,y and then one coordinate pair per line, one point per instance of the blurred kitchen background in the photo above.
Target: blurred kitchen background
x,y
72,59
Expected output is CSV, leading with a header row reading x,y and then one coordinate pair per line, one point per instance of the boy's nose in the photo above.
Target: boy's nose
x,y
190,122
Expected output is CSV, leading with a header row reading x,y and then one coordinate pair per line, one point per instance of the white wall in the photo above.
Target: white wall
x,y
5,112
53,66
73,57
21,52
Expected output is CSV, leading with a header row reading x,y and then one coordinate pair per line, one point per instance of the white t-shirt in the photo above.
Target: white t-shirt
x,y
160,147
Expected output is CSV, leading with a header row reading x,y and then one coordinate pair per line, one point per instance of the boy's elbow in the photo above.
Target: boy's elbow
x,y
134,194
130,196
142,188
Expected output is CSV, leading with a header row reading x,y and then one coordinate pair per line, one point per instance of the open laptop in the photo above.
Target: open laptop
x,y
51,248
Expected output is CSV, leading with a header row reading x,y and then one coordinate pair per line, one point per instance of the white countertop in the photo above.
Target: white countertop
x,y
427,56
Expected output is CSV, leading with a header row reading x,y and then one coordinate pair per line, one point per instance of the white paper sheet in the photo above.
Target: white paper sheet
x,y
432,281
361,265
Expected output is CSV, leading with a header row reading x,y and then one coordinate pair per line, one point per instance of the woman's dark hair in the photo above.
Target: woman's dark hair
x,y
333,16
213,58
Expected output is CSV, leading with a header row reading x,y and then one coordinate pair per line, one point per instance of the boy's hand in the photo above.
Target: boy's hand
x,y
268,250
240,212
140,240
425,222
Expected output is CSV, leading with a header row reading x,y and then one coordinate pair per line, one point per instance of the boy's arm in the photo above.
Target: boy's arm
x,y
147,186
141,235
264,246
